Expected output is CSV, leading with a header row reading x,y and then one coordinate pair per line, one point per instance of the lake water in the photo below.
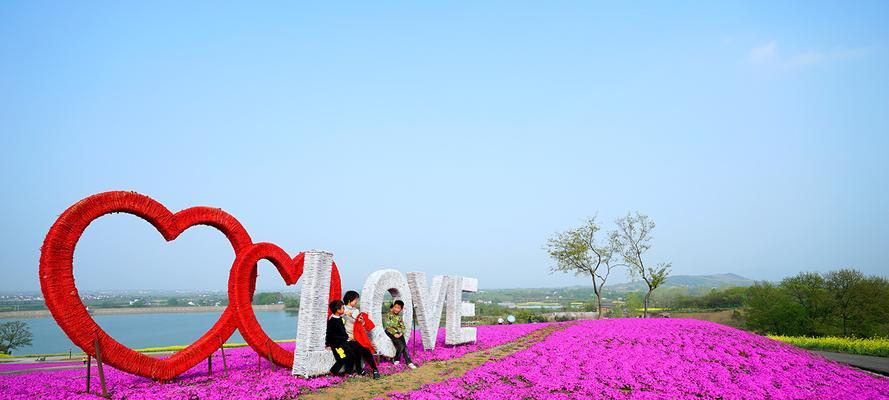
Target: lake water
x,y
151,330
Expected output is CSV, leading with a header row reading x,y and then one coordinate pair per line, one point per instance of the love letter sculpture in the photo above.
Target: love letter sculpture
x,y
240,284
321,285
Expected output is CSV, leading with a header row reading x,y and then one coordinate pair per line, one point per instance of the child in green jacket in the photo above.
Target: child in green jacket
x,y
394,325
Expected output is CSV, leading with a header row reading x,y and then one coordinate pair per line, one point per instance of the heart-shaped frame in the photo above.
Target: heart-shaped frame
x,y
240,295
63,301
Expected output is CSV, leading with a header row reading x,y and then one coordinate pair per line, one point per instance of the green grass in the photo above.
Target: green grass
x,y
144,349
868,347
177,348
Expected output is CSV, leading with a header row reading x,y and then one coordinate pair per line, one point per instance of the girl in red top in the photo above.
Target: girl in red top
x,y
352,316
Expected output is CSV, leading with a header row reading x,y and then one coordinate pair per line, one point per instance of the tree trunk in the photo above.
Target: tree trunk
x,y
598,298
645,304
599,307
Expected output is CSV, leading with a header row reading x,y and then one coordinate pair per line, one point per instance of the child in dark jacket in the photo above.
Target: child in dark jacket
x,y
336,339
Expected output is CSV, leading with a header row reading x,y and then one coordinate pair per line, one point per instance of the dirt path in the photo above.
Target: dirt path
x,y
430,372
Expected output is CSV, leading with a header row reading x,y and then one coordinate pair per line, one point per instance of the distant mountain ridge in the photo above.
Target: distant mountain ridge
x,y
689,281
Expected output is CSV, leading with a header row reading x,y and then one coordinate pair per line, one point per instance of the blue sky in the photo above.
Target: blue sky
x,y
450,138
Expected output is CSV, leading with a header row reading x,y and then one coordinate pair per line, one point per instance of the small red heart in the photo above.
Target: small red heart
x,y
240,295
57,279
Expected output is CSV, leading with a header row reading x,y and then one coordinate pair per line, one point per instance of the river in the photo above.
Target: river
x,y
151,330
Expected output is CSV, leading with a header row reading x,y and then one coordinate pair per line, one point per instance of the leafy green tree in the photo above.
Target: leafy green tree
x,y
770,309
809,290
871,316
14,335
845,285
578,251
842,302
633,240
632,302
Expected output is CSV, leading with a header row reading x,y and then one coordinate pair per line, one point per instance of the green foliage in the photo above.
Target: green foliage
x,y
267,298
14,335
869,315
632,303
678,298
839,303
291,303
770,309
490,310
532,318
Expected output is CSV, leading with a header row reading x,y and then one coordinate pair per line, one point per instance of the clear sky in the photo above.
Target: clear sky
x,y
450,138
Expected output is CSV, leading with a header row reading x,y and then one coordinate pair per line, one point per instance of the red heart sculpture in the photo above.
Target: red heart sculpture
x,y
62,299
240,295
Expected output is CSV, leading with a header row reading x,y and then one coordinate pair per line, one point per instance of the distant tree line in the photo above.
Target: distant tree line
x,y
836,303
266,298
679,298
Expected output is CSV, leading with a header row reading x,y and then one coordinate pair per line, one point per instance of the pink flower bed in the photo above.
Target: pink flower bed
x,y
241,381
658,359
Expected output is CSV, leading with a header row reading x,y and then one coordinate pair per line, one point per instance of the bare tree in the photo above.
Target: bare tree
x,y
634,239
577,250
13,335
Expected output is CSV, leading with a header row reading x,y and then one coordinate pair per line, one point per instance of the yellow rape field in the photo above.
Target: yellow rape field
x,y
871,347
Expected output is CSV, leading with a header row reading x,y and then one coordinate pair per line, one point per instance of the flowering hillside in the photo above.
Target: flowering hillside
x,y
241,381
658,359
608,359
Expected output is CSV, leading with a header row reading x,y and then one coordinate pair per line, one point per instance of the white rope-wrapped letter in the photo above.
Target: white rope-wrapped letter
x,y
455,333
428,304
374,291
310,358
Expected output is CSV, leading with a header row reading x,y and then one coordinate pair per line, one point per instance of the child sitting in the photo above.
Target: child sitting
x,y
394,324
350,316
336,339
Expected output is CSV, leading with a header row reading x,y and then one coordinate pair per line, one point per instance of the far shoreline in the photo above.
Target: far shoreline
x,y
137,310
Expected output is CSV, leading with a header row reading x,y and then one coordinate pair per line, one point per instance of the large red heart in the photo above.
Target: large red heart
x,y
240,294
62,299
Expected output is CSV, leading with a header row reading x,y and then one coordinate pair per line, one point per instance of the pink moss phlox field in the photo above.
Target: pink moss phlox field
x,y
658,359
241,381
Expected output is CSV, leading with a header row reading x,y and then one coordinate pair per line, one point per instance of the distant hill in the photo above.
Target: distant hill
x,y
689,281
